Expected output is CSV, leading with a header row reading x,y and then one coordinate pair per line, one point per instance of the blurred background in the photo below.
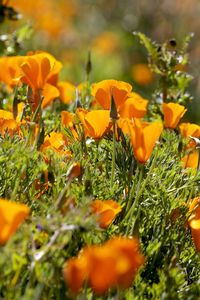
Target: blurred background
x,y
69,29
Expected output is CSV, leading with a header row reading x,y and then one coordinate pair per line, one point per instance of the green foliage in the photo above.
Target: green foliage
x,y
153,196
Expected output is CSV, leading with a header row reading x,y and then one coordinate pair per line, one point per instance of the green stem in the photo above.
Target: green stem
x,y
113,155
138,195
198,164
130,193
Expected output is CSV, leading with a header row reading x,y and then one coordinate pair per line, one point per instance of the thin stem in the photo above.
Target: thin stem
x,y
139,193
113,155
198,164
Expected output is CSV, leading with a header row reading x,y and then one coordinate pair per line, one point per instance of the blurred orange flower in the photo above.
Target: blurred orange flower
x,y
12,214
75,170
173,112
106,211
67,91
96,123
107,42
113,264
143,138
141,74
104,90
194,221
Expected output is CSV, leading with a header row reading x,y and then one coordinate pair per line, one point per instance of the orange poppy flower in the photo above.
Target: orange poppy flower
x,y
188,130
191,160
68,121
111,265
143,138
49,93
141,74
8,123
96,123
173,112
104,90
126,125
38,70
134,107
106,211
194,221
67,91
12,214
57,142
10,69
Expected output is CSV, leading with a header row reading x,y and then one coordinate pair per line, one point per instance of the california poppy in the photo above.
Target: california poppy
x,y
68,120
106,211
111,265
67,91
96,123
191,160
143,138
190,130
12,214
57,142
194,221
8,123
134,107
40,71
173,112
104,90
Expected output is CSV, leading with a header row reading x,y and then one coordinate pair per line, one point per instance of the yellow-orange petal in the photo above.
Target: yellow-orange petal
x,y
105,89
97,123
67,91
106,210
133,107
49,93
12,214
173,112
191,160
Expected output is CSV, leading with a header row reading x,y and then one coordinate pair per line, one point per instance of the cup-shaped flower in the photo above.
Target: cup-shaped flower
x,y
106,211
12,214
57,142
134,107
40,72
96,123
111,265
191,160
10,69
173,112
68,120
194,221
143,138
8,123
104,90
190,130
